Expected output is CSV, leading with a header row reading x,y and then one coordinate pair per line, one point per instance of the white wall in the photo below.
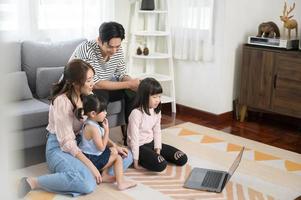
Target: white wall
x,y
212,86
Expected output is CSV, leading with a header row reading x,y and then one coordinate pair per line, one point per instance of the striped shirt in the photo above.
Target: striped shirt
x,y
113,69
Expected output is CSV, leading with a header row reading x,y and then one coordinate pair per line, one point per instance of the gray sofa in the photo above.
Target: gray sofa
x,y
37,66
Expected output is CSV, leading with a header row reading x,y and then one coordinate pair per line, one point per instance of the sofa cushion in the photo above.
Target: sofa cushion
x,y
114,107
46,77
41,54
11,56
31,137
31,113
20,86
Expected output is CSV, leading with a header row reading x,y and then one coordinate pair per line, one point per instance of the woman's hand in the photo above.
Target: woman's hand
x,y
96,175
105,124
90,166
122,151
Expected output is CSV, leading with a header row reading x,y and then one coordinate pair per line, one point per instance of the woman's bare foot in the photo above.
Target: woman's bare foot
x,y
106,178
126,185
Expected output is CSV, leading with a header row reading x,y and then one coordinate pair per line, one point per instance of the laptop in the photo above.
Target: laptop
x,y
209,179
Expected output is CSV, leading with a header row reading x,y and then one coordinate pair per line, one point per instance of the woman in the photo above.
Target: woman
x,y
71,171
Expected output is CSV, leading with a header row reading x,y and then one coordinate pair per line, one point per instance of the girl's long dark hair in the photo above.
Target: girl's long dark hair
x,y
147,87
75,72
91,103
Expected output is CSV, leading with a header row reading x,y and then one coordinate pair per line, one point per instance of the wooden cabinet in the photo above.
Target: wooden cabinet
x,y
270,81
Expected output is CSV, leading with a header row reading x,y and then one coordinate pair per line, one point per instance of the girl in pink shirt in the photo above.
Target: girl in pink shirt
x,y
144,130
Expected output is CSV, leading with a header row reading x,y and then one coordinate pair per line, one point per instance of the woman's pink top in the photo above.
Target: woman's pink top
x,y
142,129
64,124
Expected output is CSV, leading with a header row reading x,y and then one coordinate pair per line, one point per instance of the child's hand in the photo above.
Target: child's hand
x,y
113,151
158,151
105,124
137,166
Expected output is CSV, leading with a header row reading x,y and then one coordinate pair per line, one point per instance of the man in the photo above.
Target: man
x,y
111,81
106,56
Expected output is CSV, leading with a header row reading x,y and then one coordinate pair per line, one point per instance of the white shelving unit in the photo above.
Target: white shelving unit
x,y
152,28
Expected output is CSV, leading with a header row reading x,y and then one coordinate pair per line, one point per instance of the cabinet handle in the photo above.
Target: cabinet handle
x,y
275,80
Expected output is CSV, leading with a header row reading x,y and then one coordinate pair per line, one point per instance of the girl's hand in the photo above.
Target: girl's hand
x,y
158,151
97,175
105,124
137,166
113,150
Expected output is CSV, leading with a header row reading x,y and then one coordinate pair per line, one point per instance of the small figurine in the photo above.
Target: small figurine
x,y
145,51
139,51
268,29
289,23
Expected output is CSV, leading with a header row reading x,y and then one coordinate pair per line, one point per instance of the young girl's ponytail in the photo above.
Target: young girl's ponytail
x,y
80,112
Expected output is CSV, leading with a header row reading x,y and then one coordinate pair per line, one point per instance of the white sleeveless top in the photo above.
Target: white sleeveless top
x,y
88,146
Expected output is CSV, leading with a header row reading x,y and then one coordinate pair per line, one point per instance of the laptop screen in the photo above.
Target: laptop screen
x,y
236,162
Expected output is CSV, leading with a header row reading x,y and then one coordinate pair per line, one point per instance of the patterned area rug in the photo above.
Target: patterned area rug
x,y
265,172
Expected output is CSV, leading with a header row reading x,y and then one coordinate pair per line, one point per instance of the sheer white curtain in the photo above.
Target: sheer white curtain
x,y
51,20
192,29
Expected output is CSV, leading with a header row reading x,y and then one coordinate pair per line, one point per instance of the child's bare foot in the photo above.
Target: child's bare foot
x,y
108,179
126,185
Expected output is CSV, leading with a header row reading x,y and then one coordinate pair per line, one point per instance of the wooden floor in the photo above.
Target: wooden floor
x,y
262,129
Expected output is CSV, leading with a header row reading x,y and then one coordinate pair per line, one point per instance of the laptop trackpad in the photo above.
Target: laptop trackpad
x,y
195,179
197,174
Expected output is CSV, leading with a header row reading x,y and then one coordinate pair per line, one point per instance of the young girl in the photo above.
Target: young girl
x,y
95,141
144,130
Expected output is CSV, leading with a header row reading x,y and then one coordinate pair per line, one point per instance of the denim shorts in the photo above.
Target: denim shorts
x,y
101,160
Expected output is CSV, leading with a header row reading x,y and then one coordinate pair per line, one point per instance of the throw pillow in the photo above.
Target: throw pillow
x,y
36,54
46,77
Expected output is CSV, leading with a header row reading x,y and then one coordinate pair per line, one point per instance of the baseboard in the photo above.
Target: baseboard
x,y
181,109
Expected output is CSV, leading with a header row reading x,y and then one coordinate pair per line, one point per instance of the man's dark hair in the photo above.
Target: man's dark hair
x,y
109,30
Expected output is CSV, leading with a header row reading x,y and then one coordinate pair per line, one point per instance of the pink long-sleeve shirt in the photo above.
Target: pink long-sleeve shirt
x,y
64,124
142,129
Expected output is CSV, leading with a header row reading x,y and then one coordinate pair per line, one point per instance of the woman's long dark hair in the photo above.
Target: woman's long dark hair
x,y
147,87
75,72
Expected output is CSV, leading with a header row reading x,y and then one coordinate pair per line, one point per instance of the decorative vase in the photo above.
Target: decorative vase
x,y
145,51
147,5
139,51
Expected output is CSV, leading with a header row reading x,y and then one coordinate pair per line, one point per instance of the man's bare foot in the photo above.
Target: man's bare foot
x,y
126,185
106,178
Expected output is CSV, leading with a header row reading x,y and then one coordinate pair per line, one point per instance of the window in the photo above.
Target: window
x,y
191,29
55,19
8,16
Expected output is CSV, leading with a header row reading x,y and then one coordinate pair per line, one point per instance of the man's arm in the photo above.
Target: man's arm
x,y
111,85
126,83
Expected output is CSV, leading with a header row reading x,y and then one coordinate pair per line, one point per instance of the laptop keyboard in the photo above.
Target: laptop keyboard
x,y
212,179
